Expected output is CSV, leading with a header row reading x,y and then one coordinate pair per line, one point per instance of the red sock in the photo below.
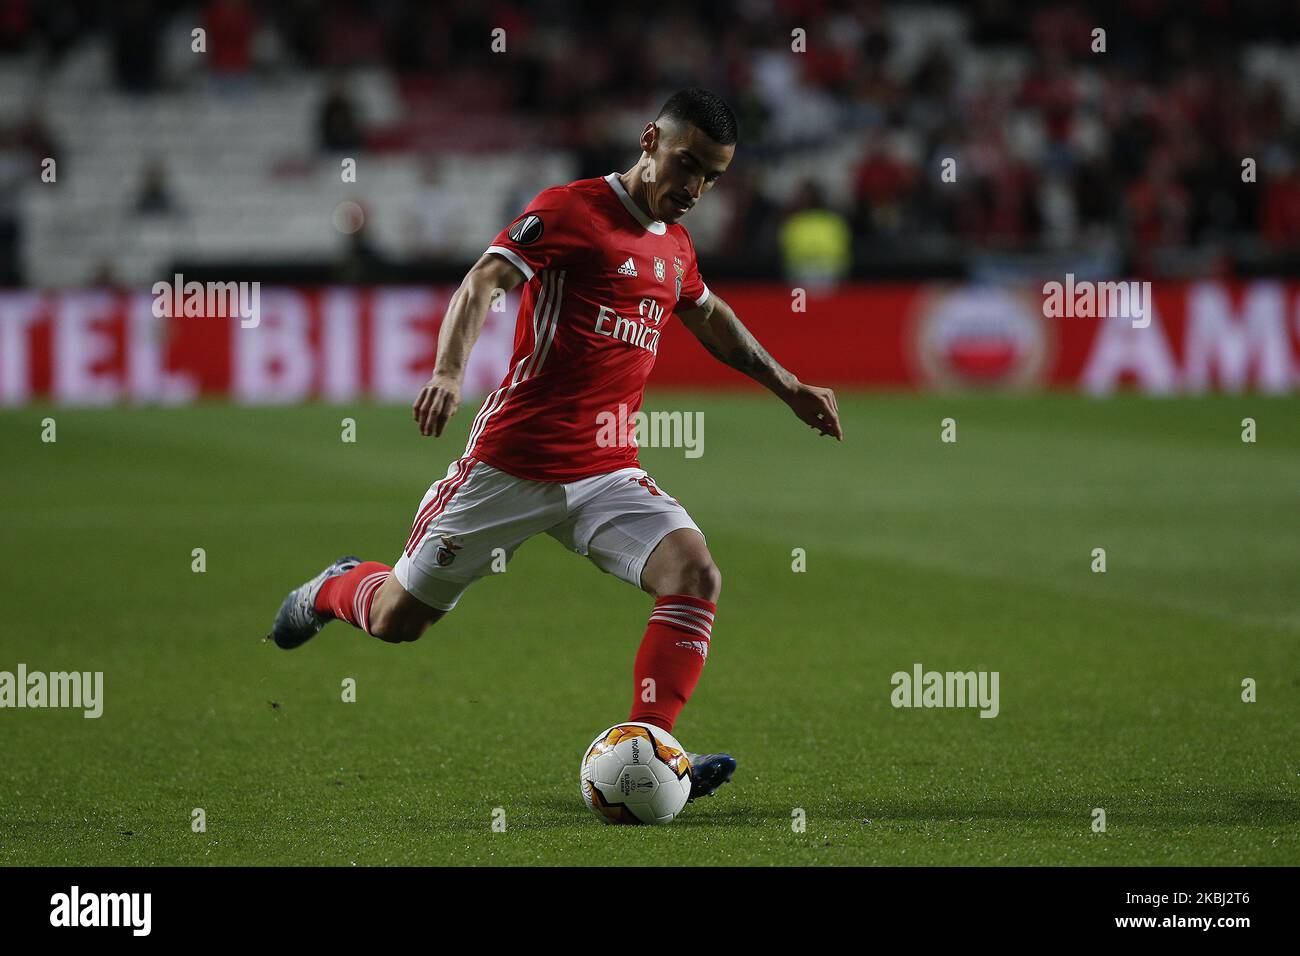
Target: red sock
x,y
671,657
348,597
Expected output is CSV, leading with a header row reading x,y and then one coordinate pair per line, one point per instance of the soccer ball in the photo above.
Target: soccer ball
x,y
635,773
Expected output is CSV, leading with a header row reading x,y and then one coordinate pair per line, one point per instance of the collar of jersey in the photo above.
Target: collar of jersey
x,y
651,225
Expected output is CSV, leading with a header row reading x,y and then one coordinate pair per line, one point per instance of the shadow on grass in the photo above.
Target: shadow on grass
x,y
1235,809
558,812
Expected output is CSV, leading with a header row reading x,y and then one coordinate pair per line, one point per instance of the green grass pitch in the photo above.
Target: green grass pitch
x,y
1120,691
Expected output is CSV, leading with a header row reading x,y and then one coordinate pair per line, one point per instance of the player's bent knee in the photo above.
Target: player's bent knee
x,y
398,617
413,630
383,627
693,575
410,633
397,633
701,578
395,627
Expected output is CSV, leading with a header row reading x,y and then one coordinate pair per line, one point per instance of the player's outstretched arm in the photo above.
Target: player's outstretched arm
x,y
466,313
725,336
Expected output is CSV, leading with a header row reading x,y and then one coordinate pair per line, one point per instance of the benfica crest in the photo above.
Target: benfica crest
x,y
447,552
681,274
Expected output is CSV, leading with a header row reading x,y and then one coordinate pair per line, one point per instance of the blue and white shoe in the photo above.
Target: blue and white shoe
x,y
709,772
298,621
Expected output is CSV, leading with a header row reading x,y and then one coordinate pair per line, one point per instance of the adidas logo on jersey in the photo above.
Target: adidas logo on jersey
x,y
628,268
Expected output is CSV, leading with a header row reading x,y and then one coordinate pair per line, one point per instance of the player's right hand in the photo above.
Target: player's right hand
x,y
436,403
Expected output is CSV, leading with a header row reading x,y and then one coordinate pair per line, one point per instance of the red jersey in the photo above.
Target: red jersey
x,y
603,279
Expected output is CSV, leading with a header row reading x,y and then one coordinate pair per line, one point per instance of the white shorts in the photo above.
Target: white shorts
x,y
472,521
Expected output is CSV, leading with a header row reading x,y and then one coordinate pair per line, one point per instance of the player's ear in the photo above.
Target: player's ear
x,y
650,138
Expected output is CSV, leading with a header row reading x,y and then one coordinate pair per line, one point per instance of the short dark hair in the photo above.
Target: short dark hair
x,y
705,111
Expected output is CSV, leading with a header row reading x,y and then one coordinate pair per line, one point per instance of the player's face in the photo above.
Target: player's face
x,y
686,165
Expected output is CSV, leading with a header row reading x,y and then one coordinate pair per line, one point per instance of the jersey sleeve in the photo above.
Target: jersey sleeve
x,y
693,292
551,232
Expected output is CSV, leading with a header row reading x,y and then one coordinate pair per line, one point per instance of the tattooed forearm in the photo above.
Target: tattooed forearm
x,y
747,359
727,340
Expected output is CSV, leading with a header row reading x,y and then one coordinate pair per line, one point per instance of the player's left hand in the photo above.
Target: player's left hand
x,y
816,407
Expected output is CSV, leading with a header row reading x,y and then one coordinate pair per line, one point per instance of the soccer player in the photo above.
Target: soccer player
x,y
604,264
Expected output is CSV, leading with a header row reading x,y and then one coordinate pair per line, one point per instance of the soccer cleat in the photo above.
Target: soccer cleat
x,y
709,772
298,621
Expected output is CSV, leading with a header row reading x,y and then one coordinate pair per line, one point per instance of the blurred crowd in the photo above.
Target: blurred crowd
x,y
1170,137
